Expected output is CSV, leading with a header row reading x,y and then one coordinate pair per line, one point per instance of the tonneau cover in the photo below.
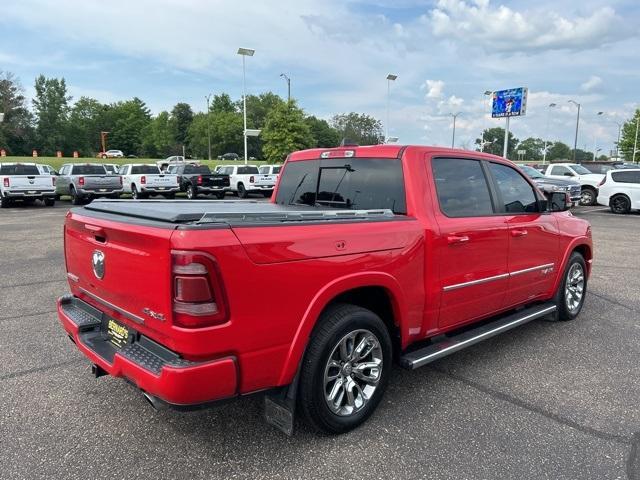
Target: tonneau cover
x,y
219,211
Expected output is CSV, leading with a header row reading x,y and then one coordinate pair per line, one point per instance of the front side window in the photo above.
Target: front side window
x,y
560,171
344,183
517,194
462,187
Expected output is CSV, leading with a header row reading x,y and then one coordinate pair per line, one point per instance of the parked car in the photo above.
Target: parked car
x,y
196,179
111,168
574,171
242,179
47,170
26,183
380,253
601,167
142,180
229,156
111,154
86,181
620,190
267,178
163,165
550,185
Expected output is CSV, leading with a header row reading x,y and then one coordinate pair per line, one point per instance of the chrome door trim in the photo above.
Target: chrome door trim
x,y
475,282
533,269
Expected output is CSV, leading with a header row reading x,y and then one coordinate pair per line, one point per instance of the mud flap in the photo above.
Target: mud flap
x,y
280,407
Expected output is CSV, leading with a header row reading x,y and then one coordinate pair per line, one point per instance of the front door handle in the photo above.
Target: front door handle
x,y
457,239
519,232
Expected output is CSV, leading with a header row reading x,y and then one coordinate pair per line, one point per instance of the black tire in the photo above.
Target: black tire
x,y
588,197
220,195
75,198
564,313
620,204
49,201
334,326
242,192
134,192
267,194
5,202
192,192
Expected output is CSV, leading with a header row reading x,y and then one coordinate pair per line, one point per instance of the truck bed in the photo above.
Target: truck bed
x,y
182,212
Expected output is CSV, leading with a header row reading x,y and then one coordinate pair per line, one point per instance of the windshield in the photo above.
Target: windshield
x,y
580,170
144,169
346,183
247,170
531,172
18,169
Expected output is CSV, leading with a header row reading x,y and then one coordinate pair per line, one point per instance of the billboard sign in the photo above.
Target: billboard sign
x,y
509,103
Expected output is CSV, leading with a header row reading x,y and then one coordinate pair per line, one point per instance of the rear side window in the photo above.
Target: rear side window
x,y
345,183
247,170
144,170
626,177
462,187
88,170
19,169
516,193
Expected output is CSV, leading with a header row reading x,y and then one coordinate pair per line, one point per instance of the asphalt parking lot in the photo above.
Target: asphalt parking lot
x,y
543,401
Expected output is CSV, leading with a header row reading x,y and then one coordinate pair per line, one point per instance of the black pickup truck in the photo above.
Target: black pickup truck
x,y
196,179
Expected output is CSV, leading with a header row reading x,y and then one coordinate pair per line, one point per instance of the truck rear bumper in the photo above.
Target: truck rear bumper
x,y
160,190
153,368
29,193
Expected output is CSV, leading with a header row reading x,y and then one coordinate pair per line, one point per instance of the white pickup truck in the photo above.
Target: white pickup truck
x,y
574,171
267,178
23,181
144,179
242,179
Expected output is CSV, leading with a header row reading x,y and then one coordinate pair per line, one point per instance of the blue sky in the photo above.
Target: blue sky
x,y
446,54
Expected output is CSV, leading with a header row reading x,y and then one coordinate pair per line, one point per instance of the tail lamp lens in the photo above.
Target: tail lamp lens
x,y
199,179
603,181
81,181
53,181
6,182
198,293
143,179
252,179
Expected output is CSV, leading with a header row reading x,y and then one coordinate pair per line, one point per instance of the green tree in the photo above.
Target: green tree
x,y
628,138
82,130
129,120
51,105
258,108
181,118
360,128
16,130
559,151
495,137
285,131
223,103
325,135
226,134
534,148
157,137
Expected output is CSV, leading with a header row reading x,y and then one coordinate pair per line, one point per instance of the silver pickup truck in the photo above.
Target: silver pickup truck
x,y
86,181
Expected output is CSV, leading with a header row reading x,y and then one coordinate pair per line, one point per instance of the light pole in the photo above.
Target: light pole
x,y
390,78
453,136
245,52
288,80
208,97
595,141
575,142
546,133
487,93
635,143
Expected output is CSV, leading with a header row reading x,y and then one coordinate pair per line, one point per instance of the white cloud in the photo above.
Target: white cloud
x,y
594,83
434,88
502,29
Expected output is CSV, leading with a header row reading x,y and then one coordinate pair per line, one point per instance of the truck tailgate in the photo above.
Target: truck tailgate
x,y
30,182
266,180
98,182
121,267
161,180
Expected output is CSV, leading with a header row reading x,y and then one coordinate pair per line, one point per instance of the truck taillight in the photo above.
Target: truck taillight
x,y
81,181
252,179
199,179
6,182
143,180
198,294
120,178
53,181
603,181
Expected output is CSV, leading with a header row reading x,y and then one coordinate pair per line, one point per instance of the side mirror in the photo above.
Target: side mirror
x,y
559,202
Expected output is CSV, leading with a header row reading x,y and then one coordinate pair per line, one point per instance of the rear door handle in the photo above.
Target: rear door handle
x,y
457,239
518,233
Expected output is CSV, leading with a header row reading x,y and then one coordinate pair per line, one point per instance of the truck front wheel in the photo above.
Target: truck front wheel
x,y
573,289
345,370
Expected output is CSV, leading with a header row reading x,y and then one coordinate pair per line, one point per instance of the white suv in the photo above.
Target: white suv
x,y
620,190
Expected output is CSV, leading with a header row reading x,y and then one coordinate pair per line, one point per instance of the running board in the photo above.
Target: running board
x,y
428,354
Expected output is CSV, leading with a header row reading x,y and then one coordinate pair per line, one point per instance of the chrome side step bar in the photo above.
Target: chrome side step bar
x,y
428,354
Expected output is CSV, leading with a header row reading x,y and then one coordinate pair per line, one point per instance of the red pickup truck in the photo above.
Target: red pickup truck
x,y
365,256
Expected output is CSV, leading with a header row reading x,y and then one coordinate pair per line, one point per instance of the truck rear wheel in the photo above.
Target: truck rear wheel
x,y
49,201
345,370
4,202
242,192
588,196
192,192
573,289
75,198
220,195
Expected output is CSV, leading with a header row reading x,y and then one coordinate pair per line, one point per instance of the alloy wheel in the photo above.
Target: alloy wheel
x,y
574,287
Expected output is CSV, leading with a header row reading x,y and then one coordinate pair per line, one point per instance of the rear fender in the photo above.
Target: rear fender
x,y
324,298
